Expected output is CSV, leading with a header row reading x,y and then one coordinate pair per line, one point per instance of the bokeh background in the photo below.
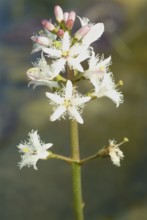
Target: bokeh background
x,y
110,193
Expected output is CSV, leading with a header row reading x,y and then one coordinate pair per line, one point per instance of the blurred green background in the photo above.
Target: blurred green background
x,y
110,193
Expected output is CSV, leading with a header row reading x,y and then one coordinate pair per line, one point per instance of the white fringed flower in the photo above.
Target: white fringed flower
x,y
97,68
106,87
115,153
69,54
42,74
33,150
102,80
68,102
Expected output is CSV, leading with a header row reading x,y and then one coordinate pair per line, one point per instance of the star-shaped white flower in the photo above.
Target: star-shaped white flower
x,y
69,54
42,74
68,102
115,153
33,150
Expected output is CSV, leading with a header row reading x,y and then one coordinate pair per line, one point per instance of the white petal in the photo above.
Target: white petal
x,y
93,61
52,52
74,63
66,42
80,101
47,146
56,115
58,66
83,21
50,84
43,155
35,139
75,114
55,98
75,50
83,56
94,33
115,96
68,90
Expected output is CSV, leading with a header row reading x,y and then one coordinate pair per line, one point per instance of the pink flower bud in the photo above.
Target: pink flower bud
x,y
48,25
65,15
58,13
82,32
60,33
71,19
40,40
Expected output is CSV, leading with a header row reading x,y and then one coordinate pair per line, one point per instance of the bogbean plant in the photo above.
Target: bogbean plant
x,y
59,68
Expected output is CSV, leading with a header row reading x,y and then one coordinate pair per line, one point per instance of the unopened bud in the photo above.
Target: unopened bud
x,y
71,19
41,40
58,13
82,32
65,15
60,33
48,25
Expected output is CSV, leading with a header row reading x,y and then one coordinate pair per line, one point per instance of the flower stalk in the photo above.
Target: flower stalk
x,y
76,172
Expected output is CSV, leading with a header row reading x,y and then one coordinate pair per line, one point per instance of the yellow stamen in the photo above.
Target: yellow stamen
x,y
26,150
102,68
121,82
65,54
66,103
126,139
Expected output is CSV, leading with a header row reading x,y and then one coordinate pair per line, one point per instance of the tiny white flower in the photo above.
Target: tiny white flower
x,y
69,54
33,150
67,102
115,153
42,74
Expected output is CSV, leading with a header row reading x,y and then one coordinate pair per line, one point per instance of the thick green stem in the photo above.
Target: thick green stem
x,y
76,172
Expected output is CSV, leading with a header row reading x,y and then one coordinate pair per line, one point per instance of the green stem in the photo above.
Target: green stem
x,y
76,172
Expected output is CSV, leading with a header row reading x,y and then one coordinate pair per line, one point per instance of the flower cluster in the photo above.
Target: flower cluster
x,y
60,67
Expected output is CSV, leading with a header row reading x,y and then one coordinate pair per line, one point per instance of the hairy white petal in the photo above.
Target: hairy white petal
x,y
52,52
57,114
115,96
54,97
75,114
68,90
82,100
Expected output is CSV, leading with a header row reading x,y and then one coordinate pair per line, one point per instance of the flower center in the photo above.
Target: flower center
x,y
26,150
65,54
102,68
66,103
